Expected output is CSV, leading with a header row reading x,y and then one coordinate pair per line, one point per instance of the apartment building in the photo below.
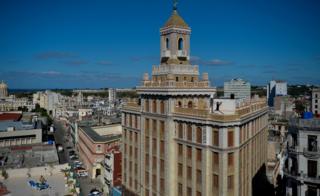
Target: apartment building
x,y
303,162
178,139
316,101
237,88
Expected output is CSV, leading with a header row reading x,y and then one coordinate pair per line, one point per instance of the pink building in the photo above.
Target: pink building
x,y
94,144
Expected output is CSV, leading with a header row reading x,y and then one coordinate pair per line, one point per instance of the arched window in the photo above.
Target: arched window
x,y
190,104
180,44
179,104
167,43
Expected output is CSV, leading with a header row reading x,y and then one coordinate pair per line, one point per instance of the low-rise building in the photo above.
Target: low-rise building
x,y
14,132
96,144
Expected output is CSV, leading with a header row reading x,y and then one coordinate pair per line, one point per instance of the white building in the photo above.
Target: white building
x,y
16,133
112,95
276,88
237,88
302,167
315,101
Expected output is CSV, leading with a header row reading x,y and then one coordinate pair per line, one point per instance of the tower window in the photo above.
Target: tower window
x,y
167,43
180,44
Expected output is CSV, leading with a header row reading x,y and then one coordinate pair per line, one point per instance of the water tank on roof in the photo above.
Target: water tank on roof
x,y
11,129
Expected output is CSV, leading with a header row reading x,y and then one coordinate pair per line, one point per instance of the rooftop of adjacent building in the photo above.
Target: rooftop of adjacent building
x,y
5,116
103,134
237,80
309,124
28,156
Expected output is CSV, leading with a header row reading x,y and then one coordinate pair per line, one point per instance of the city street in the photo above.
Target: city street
x,y
59,136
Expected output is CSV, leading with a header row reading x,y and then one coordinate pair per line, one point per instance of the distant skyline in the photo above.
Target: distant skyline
x,y
98,44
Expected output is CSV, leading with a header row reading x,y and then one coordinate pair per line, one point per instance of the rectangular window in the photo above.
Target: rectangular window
x,y
146,126
180,130
154,182
189,152
136,137
154,146
162,185
147,144
180,193
154,163
189,191
161,166
230,138
230,159
146,161
230,182
146,178
216,158
215,180
199,154
161,148
189,173
216,138
146,105
199,135
189,132
162,130
180,169
180,150
199,176
154,128
312,168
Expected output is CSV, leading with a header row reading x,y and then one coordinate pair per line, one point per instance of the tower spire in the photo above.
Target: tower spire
x,y
175,5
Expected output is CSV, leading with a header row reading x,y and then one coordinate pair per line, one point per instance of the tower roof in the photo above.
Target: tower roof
x,y
176,21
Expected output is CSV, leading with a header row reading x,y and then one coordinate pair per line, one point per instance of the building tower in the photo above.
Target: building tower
x,y
179,140
3,90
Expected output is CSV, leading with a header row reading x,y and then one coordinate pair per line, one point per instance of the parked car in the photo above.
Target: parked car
x,y
72,152
69,148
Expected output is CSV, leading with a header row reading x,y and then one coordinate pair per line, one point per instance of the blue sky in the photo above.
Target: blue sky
x,y
102,43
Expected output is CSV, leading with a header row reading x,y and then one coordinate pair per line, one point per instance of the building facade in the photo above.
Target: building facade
x,y
95,145
237,88
315,101
303,162
179,140
276,88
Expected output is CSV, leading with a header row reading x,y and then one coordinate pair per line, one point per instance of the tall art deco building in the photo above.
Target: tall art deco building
x,y
179,139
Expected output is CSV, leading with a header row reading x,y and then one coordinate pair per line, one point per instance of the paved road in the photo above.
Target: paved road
x,y
59,136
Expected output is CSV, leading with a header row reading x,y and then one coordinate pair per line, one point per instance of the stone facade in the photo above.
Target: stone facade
x,y
179,140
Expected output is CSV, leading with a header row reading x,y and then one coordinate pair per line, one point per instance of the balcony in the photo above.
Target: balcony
x,y
302,177
107,182
182,53
165,53
311,154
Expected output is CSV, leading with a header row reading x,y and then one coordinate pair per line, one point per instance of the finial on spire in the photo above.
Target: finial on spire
x,y
175,5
